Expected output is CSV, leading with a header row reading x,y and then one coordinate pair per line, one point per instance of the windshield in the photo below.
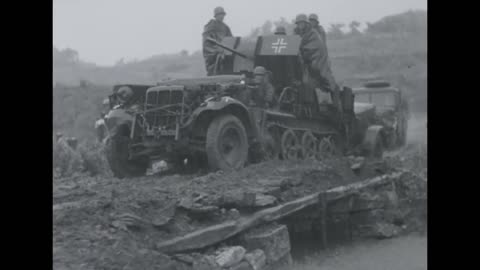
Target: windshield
x,y
383,99
362,97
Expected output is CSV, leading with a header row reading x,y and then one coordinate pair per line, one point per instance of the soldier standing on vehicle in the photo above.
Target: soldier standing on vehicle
x,y
280,30
215,29
317,71
313,19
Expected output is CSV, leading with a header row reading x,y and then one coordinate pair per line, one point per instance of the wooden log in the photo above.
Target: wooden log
x,y
198,239
217,233
343,191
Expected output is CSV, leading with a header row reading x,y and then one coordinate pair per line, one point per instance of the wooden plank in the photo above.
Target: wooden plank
x,y
343,191
217,233
198,239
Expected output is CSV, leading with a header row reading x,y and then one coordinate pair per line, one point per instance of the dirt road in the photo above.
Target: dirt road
x,y
403,253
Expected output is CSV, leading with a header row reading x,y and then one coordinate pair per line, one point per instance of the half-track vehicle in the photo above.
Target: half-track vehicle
x,y
212,121
391,109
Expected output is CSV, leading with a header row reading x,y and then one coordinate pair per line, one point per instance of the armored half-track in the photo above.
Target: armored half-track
x,y
211,121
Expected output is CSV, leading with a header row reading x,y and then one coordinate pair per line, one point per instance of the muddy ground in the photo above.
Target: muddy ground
x,y
107,223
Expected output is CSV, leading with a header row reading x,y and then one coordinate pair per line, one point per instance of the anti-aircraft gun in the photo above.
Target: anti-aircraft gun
x,y
209,119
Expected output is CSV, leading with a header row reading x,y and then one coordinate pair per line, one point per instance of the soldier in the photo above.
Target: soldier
x,y
124,94
280,30
215,29
313,19
263,93
315,59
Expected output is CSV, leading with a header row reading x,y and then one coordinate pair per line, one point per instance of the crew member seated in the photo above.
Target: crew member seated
x,y
262,92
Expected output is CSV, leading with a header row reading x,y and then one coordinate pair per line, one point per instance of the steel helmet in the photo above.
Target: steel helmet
x,y
259,70
218,10
125,92
280,30
313,17
301,18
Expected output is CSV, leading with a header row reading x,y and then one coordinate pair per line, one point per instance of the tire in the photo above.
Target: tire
x,y
226,143
116,149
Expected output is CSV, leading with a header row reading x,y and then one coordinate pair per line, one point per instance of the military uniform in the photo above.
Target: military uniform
x,y
317,27
263,93
217,30
317,73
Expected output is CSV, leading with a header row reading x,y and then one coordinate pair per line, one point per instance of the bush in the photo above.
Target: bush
x,y
94,160
66,162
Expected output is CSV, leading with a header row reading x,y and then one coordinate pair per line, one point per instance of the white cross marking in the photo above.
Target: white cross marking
x,y
279,45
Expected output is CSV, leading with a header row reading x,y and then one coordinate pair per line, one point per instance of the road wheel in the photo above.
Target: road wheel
x,y
227,143
290,145
309,145
117,153
326,149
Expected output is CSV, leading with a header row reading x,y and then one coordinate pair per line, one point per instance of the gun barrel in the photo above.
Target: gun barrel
x,y
227,48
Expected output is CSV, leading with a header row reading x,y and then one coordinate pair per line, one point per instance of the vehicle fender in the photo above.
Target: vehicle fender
x,y
223,104
371,134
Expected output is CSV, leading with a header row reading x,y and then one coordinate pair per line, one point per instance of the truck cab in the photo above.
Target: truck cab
x,y
391,108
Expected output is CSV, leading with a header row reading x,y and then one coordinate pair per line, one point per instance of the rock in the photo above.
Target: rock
x,y
230,256
165,215
249,198
385,230
262,200
241,266
367,201
279,264
272,239
233,214
256,259
206,263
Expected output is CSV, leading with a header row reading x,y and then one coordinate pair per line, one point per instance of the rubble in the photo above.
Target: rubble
x,y
272,239
230,256
256,259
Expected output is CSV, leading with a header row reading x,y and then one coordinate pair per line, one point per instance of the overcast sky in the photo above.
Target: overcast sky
x,y
103,31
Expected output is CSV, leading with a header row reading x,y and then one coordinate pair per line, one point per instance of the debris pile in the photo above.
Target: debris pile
x,y
107,223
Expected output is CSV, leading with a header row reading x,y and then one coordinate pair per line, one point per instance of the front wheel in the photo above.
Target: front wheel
x,y
226,143
117,153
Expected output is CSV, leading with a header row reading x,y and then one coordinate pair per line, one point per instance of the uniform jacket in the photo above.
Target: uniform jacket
x,y
216,30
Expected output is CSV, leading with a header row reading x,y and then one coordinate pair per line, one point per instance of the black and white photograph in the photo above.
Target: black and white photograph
x,y
239,135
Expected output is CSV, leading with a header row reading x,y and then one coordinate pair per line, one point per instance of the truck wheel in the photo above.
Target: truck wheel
x,y
227,143
116,149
